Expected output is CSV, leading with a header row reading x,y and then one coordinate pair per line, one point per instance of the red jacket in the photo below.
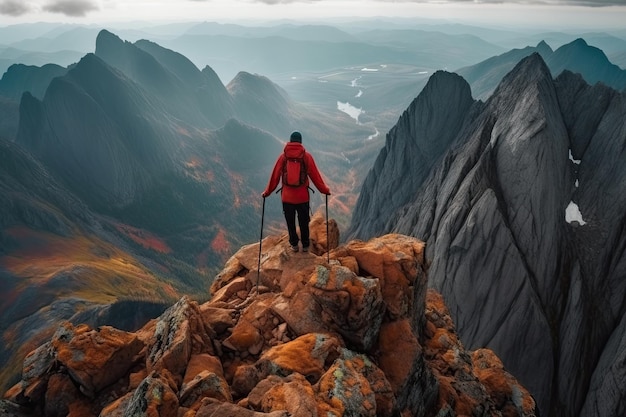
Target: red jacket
x,y
296,195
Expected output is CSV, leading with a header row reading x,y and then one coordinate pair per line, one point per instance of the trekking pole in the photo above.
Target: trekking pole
x,y
327,237
258,271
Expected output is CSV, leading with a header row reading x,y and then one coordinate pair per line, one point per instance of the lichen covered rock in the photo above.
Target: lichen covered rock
x,y
359,336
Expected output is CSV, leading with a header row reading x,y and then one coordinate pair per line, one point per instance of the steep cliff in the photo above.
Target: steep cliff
x,y
523,217
301,337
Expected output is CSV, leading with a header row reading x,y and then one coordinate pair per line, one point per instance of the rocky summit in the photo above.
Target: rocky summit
x,y
352,333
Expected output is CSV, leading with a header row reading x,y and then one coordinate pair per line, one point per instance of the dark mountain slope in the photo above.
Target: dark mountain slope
x,y
485,76
94,128
212,98
544,291
260,102
155,78
33,197
576,56
9,109
433,118
20,78
59,261
16,80
589,61
119,149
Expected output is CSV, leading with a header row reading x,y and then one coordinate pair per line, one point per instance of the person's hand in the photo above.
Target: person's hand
x,y
264,194
327,192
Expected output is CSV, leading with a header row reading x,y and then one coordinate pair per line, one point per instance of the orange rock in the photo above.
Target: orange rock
x,y
86,352
292,393
214,408
203,362
243,336
397,347
230,289
302,313
231,270
320,242
153,398
178,333
204,384
501,386
344,390
351,306
397,261
245,378
351,263
135,378
60,394
259,313
315,339
383,391
437,312
219,319
81,409
306,355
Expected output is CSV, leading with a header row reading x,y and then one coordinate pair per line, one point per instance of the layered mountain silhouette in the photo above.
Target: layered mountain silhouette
x,y
130,178
132,174
577,56
520,200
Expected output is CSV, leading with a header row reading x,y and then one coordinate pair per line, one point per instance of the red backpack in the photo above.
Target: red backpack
x,y
294,171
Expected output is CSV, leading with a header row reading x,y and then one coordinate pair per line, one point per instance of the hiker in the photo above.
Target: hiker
x,y
293,168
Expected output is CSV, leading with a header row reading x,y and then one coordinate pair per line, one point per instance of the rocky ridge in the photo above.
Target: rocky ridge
x,y
357,336
543,288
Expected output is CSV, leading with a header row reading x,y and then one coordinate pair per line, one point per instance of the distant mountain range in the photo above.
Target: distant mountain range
x,y
131,175
577,56
521,202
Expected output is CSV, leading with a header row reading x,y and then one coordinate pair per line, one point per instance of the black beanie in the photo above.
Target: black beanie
x,y
295,137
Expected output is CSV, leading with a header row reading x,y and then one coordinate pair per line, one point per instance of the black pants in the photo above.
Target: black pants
x,y
290,211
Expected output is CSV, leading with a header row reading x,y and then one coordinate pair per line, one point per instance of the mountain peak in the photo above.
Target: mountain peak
x,y
589,61
496,213
543,48
299,337
533,65
424,131
105,37
580,43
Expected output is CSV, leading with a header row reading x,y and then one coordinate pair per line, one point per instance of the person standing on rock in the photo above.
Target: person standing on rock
x,y
293,169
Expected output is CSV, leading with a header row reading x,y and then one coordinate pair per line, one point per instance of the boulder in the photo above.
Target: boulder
x,y
85,352
319,338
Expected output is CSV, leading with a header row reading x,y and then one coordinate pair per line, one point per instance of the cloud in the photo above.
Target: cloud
x,y
271,2
74,8
14,7
587,3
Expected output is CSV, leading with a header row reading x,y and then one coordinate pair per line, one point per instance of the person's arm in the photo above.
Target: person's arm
x,y
315,175
275,177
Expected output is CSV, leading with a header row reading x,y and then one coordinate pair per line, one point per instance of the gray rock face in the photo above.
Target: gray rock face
x,y
432,120
543,291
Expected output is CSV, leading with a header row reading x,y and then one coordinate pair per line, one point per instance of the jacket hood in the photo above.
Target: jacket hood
x,y
294,150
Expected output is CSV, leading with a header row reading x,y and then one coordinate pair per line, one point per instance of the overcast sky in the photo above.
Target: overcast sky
x,y
552,14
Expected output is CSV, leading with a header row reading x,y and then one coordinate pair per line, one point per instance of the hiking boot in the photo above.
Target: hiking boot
x,y
305,249
294,248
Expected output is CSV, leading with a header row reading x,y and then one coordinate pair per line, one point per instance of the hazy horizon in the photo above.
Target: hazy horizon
x,y
550,15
